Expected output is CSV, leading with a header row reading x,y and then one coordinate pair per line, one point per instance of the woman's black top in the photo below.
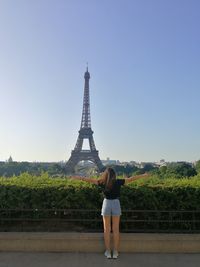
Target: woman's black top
x,y
114,192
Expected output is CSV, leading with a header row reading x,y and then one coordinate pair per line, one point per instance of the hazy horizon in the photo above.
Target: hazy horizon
x,y
144,61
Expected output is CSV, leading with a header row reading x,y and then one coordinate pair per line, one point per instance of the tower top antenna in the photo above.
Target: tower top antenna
x,y
87,74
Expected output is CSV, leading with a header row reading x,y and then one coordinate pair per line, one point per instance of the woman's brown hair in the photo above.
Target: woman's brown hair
x,y
108,178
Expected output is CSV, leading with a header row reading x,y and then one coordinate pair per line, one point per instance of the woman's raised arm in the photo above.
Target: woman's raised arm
x,y
136,177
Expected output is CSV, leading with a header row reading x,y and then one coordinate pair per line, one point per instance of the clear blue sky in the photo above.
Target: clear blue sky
x,y
144,61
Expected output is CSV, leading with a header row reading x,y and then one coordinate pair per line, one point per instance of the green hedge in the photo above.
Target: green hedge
x,y
43,192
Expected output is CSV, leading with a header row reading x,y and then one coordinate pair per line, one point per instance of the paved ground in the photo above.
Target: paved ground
x,y
19,259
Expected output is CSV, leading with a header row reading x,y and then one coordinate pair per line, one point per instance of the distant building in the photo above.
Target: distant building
x,y
10,159
109,161
133,163
161,163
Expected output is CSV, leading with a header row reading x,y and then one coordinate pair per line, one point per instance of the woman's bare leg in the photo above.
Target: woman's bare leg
x,y
107,227
115,229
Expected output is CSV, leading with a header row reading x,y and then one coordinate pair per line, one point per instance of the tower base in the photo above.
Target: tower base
x,y
77,156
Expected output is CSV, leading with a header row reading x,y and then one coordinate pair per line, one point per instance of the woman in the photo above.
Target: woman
x,y
111,209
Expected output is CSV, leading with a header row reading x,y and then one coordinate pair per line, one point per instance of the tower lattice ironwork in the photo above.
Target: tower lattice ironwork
x,y
85,132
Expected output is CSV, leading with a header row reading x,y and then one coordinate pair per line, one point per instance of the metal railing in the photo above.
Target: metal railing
x,y
176,221
89,220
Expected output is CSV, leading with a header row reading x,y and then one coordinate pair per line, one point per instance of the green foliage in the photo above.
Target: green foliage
x,y
10,168
177,170
28,191
197,166
42,192
180,170
126,170
166,194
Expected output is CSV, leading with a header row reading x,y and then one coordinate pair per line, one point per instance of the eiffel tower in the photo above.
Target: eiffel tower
x,y
85,132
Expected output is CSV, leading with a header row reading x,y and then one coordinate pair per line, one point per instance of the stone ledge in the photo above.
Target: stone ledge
x,y
93,242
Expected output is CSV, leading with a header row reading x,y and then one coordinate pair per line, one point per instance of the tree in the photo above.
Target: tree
x,y
180,169
149,167
197,166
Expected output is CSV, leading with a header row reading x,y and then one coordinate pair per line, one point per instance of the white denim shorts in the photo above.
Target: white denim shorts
x,y
111,207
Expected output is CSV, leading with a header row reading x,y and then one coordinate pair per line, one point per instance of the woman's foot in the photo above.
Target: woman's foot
x,y
115,254
107,254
